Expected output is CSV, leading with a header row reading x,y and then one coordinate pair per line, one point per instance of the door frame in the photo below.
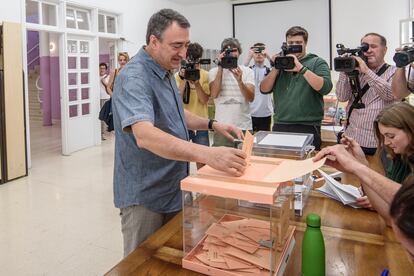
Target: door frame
x,y
67,149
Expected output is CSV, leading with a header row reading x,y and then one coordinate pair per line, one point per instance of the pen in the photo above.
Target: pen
x,y
385,272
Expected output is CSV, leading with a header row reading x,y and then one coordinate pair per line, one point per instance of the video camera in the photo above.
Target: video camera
x,y
228,61
345,62
191,73
404,57
283,62
258,49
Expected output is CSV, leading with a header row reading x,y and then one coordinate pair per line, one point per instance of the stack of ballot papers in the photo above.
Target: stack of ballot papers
x,y
347,194
239,246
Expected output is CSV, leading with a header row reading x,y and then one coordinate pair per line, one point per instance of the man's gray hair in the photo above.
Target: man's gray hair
x,y
232,43
162,20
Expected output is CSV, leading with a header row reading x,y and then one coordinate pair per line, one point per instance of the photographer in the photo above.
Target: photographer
x,y
232,87
261,108
400,87
195,93
377,75
298,92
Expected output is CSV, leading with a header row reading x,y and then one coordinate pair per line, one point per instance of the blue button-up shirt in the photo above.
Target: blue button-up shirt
x,y
144,91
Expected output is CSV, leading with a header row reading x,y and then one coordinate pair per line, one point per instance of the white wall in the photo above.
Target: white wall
x,y
210,23
351,19
276,17
10,10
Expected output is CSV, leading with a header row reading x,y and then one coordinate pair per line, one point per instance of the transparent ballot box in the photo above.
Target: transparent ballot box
x,y
297,146
221,237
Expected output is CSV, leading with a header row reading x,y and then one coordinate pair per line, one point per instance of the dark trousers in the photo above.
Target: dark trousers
x,y
261,123
313,129
369,151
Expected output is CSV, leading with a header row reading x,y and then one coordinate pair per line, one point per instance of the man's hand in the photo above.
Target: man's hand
x,y
237,73
340,159
194,82
354,148
266,54
220,56
298,65
251,53
226,159
182,72
362,66
228,131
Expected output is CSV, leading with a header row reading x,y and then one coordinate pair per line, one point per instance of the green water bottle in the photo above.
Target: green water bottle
x,y
313,248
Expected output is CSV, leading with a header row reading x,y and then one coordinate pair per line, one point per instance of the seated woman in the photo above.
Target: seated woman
x,y
394,202
394,129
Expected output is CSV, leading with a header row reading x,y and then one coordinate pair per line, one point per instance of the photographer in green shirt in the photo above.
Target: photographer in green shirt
x,y
298,92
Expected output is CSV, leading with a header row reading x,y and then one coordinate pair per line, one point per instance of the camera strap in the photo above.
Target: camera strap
x,y
364,90
186,94
408,80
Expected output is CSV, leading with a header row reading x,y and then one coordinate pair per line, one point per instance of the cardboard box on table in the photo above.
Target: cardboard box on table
x,y
218,233
295,146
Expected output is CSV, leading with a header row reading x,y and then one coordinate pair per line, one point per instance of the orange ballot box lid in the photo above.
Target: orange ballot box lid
x,y
261,182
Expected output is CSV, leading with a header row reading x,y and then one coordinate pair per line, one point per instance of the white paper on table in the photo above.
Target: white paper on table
x,y
349,189
332,128
327,191
285,140
347,194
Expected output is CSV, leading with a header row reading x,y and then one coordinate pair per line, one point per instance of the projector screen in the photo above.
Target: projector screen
x,y
268,22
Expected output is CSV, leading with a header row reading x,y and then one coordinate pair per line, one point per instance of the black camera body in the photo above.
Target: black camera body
x,y
258,49
404,57
345,62
191,73
228,61
286,63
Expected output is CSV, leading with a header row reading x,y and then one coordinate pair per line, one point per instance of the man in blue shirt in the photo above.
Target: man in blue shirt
x,y
151,145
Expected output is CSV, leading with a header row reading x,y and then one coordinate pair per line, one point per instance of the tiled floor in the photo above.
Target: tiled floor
x,y
60,220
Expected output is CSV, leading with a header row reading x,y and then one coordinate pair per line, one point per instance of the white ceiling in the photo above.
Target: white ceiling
x,y
195,2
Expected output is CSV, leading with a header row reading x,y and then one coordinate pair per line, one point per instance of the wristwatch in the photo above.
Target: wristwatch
x,y
210,124
303,70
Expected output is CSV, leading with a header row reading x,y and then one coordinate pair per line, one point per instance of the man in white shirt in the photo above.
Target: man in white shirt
x,y
261,108
103,82
232,90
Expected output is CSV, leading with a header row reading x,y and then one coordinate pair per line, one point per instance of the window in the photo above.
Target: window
x,y
101,23
32,12
82,20
110,24
107,23
39,12
70,19
49,14
78,19
407,32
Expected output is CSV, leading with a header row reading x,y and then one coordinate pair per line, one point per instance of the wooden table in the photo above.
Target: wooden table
x,y
357,243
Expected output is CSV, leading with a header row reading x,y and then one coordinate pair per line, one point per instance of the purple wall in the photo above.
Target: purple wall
x,y
50,82
55,87
46,94
104,58
32,41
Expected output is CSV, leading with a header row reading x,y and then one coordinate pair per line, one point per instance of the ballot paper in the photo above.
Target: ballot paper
x,y
248,146
347,194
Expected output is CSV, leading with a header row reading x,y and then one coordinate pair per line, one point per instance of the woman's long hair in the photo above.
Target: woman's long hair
x,y
401,116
